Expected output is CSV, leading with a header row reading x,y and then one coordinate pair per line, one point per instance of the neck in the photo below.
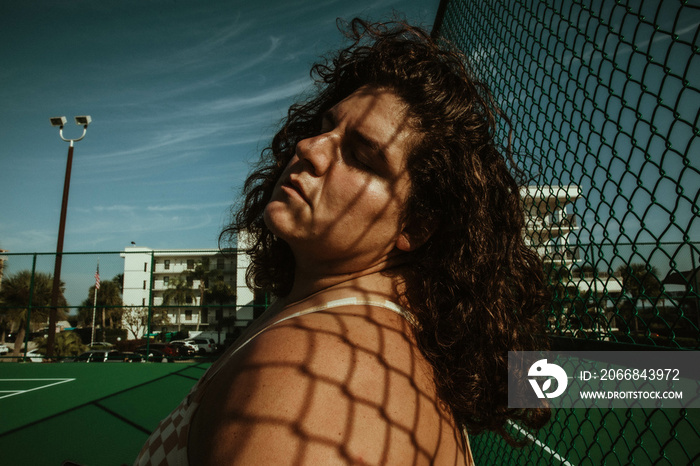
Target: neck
x,y
381,278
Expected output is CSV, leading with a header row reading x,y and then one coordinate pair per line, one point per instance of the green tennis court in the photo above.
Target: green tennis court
x,y
101,414
91,414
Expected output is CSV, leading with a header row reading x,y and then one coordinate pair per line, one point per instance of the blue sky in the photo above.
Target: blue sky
x,y
183,95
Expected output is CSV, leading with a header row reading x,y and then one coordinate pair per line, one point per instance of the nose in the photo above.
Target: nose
x,y
318,152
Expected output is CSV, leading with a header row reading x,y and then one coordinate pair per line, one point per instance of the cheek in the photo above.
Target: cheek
x,y
373,208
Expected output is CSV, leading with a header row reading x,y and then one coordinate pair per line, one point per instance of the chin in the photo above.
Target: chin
x,y
268,220
278,220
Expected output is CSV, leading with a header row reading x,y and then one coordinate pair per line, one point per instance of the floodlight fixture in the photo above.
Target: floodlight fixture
x,y
84,120
58,121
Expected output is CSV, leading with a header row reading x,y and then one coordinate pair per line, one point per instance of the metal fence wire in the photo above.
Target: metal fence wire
x,y
603,100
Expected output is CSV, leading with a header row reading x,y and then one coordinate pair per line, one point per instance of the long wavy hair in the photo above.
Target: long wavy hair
x,y
475,288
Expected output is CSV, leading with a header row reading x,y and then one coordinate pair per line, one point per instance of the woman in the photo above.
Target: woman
x,y
386,221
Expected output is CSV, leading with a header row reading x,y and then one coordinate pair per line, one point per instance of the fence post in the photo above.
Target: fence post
x,y
150,306
29,309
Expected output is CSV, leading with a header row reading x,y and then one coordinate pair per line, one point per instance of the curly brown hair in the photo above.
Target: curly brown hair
x,y
475,288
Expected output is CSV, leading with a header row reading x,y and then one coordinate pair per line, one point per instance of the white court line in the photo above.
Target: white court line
x,y
540,444
19,392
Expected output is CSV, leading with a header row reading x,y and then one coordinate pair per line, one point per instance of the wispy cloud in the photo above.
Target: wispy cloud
x,y
271,95
184,207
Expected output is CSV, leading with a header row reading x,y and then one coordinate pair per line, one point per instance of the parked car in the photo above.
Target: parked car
x,y
4,350
101,345
169,350
187,343
205,345
92,356
35,356
185,351
107,356
117,356
154,355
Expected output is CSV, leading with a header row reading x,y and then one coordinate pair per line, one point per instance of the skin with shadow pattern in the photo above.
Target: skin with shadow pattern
x,y
347,385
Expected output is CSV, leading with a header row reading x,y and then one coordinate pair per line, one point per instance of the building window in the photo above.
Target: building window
x,y
220,263
143,301
188,315
144,284
166,264
205,316
188,300
166,281
190,264
145,266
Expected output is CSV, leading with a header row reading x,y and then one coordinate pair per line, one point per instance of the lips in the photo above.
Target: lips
x,y
294,185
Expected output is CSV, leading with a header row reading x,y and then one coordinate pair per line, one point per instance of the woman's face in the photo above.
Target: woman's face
x,y
338,203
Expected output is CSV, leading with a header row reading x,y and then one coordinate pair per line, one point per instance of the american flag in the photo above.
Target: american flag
x,y
97,278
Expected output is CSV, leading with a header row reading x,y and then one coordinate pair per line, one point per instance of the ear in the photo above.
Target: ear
x,y
403,242
408,241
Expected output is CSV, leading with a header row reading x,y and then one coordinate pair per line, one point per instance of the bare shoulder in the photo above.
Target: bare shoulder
x,y
338,387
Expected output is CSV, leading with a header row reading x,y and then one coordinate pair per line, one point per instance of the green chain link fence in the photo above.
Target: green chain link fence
x,y
603,98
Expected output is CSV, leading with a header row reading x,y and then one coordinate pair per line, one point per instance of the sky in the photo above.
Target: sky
x,y
182,95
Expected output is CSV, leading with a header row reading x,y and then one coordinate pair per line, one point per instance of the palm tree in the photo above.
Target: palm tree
x,y
178,293
562,317
206,276
109,301
19,291
221,293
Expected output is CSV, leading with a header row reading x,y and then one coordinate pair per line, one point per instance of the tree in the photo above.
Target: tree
x,y
109,303
66,344
220,293
639,281
563,294
206,277
18,291
135,319
178,293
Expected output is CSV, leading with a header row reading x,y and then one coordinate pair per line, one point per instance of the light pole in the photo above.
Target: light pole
x,y
83,121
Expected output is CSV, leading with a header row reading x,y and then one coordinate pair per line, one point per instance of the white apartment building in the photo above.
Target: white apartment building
x,y
549,223
148,273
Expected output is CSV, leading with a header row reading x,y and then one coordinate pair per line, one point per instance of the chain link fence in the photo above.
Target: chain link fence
x,y
603,100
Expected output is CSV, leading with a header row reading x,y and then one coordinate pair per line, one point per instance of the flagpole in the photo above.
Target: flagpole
x,y
94,304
